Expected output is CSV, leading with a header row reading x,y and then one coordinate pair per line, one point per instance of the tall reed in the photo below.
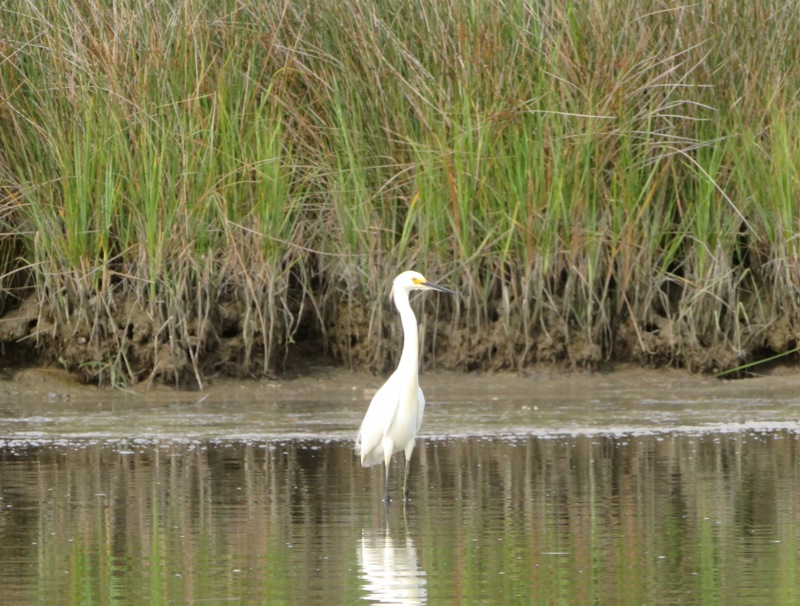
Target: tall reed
x,y
190,187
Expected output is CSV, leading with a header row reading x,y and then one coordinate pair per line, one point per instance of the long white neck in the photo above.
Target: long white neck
x,y
409,359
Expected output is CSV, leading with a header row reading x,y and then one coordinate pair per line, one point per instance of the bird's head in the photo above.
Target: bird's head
x,y
413,280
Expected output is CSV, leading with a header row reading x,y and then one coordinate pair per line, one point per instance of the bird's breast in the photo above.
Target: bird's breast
x,y
404,426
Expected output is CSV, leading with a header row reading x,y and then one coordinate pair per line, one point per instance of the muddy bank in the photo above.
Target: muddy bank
x,y
545,382
126,343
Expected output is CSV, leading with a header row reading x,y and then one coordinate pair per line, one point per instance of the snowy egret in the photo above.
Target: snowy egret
x,y
395,413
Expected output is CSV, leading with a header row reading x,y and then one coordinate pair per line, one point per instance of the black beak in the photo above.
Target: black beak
x,y
434,286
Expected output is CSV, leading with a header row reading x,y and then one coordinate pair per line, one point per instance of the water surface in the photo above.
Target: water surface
x,y
666,489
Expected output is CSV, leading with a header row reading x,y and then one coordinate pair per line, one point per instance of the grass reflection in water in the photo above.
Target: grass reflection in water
x,y
621,519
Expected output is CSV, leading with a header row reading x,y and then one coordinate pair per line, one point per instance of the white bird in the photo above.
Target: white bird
x,y
395,413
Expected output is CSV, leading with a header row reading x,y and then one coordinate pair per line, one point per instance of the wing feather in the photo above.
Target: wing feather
x,y
379,418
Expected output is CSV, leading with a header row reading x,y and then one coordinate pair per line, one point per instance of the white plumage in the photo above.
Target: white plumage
x,y
395,413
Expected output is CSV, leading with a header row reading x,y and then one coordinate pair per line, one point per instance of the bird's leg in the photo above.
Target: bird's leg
x,y
388,450
408,451
405,482
386,496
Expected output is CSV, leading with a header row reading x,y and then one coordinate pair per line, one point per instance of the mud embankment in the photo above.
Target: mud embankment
x,y
124,343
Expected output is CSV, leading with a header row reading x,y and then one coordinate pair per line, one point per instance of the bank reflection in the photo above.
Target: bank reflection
x,y
606,519
390,570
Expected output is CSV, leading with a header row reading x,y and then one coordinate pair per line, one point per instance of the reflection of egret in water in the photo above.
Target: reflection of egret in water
x,y
390,573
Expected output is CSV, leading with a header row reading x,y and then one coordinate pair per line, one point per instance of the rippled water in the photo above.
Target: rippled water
x,y
655,499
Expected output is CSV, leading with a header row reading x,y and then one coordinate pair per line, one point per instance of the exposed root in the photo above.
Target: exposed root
x,y
129,343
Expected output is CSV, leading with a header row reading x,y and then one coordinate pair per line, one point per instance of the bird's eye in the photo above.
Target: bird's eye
x,y
418,280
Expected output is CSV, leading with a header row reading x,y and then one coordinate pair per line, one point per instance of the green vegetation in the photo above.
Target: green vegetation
x,y
189,187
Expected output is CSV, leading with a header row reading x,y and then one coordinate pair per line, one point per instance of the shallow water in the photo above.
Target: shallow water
x,y
663,489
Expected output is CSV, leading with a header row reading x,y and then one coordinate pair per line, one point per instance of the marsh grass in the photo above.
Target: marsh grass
x,y
597,182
